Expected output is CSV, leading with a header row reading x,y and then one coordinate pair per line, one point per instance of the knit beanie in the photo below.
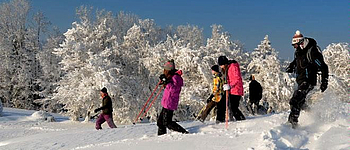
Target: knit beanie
x,y
169,65
215,68
297,37
104,90
222,60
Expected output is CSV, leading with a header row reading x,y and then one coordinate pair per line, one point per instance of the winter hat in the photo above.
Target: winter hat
x,y
169,65
297,37
215,68
222,60
104,90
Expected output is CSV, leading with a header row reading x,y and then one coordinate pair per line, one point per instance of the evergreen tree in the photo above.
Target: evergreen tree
x,y
18,80
52,72
277,85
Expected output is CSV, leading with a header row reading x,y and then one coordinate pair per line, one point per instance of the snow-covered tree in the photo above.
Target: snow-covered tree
x,y
124,21
337,57
126,55
52,73
18,55
195,64
220,44
133,78
83,51
277,85
37,28
135,41
153,33
192,36
92,59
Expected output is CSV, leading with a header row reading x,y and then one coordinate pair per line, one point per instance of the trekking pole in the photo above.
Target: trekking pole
x,y
144,106
227,115
227,97
154,99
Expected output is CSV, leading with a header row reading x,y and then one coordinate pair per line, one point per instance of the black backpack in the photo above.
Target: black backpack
x,y
309,55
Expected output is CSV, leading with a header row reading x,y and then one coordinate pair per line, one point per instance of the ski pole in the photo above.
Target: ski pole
x,y
144,106
226,118
227,97
144,114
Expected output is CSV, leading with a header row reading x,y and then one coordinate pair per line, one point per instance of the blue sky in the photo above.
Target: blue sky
x,y
248,21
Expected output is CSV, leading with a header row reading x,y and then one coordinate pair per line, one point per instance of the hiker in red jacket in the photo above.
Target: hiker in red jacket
x,y
233,84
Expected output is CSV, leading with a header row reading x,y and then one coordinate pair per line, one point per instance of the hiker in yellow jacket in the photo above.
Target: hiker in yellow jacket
x,y
216,93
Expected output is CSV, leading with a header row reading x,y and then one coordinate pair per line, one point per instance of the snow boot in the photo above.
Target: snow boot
x,y
293,121
294,125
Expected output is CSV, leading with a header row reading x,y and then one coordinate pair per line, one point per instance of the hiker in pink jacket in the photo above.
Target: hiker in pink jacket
x,y
172,81
234,84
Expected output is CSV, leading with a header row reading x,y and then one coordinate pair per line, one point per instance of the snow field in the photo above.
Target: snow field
x,y
324,126
257,132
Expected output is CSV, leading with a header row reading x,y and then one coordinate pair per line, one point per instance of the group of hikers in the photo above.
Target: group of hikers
x,y
233,79
228,84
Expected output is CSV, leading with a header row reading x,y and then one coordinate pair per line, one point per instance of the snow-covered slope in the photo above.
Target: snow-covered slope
x,y
325,126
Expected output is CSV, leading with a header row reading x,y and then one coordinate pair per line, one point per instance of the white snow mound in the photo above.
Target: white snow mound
x,y
41,116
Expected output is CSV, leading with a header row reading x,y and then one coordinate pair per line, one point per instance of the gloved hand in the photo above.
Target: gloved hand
x,y
163,79
210,98
226,87
324,85
96,110
289,69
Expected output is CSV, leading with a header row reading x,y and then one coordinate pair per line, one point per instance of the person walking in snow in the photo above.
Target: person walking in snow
x,y
234,85
216,95
255,95
107,110
308,60
172,81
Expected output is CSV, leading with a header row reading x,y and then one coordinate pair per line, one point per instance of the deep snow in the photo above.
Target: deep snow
x,y
326,126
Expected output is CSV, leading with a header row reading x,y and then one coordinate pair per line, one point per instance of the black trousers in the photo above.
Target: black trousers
x,y
251,108
233,107
298,100
221,109
165,121
234,104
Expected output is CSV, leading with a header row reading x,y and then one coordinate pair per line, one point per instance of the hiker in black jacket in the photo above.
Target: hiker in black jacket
x,y
308,60
255,95
107,110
